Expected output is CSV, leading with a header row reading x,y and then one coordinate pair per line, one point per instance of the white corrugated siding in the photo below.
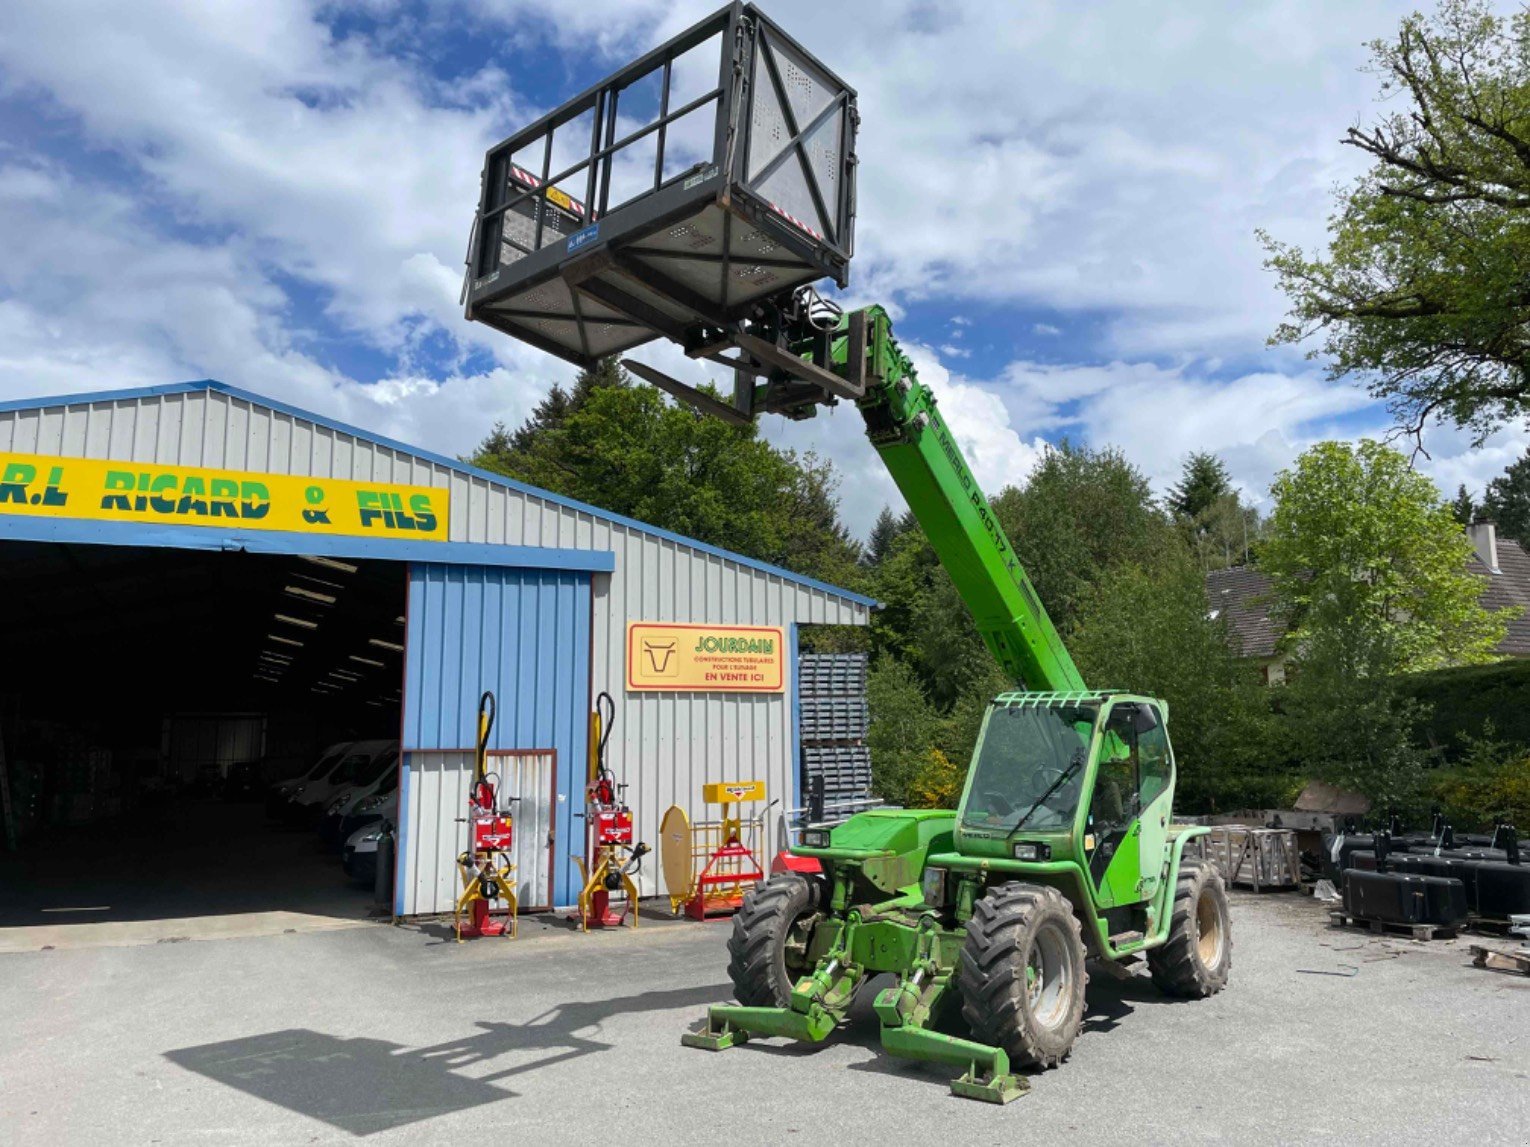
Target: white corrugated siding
x,y
665,745
438,790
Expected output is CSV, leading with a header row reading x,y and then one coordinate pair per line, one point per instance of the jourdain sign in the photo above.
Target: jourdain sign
x,y
83,488
706,658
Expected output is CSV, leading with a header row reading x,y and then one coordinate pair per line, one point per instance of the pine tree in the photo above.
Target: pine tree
x,y
1203,480
1507,501
1463,507
883,534
512,452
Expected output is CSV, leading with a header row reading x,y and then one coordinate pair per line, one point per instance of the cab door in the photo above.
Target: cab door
x,y
1112,827
1155,781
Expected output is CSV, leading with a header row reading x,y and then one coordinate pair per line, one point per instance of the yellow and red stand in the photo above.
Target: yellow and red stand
x,y
710,865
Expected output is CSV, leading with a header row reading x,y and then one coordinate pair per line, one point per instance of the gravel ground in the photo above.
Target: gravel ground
x,y
395,1034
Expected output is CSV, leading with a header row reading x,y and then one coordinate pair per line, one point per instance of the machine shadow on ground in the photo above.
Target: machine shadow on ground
x,y
363,1086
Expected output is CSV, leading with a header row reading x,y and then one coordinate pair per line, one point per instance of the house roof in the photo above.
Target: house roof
x,y
1245,597
208,384
1507,588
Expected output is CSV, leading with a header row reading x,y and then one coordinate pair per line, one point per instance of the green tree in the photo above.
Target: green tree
x,y
884,532
1203,481
1343,717
904,728
1362,545
1082,513
1148,629
627,449
1507,500
1422,291
1463,508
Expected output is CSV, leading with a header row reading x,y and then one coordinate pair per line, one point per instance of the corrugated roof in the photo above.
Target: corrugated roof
x,y
130,393
1245,597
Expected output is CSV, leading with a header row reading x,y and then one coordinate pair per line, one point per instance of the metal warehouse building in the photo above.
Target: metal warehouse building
x,y
201,582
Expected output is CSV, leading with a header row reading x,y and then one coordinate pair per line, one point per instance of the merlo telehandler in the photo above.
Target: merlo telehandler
x,y
659,205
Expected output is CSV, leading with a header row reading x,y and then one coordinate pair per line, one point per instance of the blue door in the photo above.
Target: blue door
x,y
525,635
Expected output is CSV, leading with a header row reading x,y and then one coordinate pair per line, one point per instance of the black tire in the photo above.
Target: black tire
x,y
1015,930
767,951
1194,961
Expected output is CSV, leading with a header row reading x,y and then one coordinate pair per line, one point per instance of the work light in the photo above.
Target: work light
x,y
815,838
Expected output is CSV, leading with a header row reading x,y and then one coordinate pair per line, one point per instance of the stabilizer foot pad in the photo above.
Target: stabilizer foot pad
x,y
999,1089
709,1040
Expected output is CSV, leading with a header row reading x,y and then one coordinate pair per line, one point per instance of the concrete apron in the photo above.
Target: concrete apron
x,y
174,930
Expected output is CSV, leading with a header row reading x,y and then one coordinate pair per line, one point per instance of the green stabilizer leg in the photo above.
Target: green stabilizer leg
x,y
729,1025
987,1076
905,1010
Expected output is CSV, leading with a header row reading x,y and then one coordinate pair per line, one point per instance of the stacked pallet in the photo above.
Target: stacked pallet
x,y
1251,857
831,690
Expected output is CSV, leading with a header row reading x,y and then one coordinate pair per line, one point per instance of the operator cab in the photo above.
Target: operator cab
x,y
1086,777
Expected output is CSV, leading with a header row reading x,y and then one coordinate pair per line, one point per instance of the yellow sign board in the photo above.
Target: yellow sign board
x,y
706,658
733,792
44,486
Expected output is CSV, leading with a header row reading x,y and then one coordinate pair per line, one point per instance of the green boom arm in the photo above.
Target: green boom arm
x,y
906,428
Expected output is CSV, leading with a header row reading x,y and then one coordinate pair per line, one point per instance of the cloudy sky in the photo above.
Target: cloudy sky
x,y
1058,204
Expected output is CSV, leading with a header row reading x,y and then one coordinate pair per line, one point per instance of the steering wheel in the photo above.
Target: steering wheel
x,y
998,803
1043,779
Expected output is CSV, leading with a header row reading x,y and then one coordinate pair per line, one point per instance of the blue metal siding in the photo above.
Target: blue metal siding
x,y
525,635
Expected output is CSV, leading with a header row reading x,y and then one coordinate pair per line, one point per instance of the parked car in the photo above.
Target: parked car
x,y
278,794
306,803
359,856
380,778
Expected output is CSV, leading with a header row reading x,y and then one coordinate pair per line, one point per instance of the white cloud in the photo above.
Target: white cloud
x,y
1109,160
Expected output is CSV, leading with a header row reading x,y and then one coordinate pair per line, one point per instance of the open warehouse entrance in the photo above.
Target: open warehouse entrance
x,y
151,697
166,650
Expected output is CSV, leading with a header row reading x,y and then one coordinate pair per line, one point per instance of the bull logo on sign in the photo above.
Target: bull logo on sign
x,y
662,661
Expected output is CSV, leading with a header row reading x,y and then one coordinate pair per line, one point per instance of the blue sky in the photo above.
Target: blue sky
x,y
1057,200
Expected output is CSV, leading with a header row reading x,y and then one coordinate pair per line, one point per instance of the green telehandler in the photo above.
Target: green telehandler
x,y
659,205
1063,847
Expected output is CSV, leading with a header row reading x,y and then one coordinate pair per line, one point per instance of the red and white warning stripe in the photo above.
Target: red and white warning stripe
x,y
520,175
794,220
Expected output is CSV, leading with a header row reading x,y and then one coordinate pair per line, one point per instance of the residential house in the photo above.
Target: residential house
x,y
1245,598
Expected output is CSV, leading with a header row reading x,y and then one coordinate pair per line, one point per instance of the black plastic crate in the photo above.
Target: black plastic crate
x,y
715,171
834,719
831,675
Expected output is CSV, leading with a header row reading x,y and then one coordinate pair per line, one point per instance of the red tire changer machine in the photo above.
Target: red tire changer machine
x,y
487,868
613,857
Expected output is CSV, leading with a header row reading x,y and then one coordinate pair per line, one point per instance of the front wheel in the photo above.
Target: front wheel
x,y
1194,961
767,950
1022,974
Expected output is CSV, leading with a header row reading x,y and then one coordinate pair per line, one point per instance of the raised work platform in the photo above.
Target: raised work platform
x,y
669,199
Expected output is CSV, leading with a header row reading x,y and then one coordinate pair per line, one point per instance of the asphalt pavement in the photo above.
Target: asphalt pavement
x,y
400,1035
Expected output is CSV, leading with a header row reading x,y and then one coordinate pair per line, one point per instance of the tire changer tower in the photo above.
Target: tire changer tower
x,y
696,196
488,901
613,856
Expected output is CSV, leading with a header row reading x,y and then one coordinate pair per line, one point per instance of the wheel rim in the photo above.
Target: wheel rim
x,y
795,948
1209,930
1048,977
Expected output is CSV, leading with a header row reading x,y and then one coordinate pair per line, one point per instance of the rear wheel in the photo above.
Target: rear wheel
x,y
1194,961
1022,974
768,949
